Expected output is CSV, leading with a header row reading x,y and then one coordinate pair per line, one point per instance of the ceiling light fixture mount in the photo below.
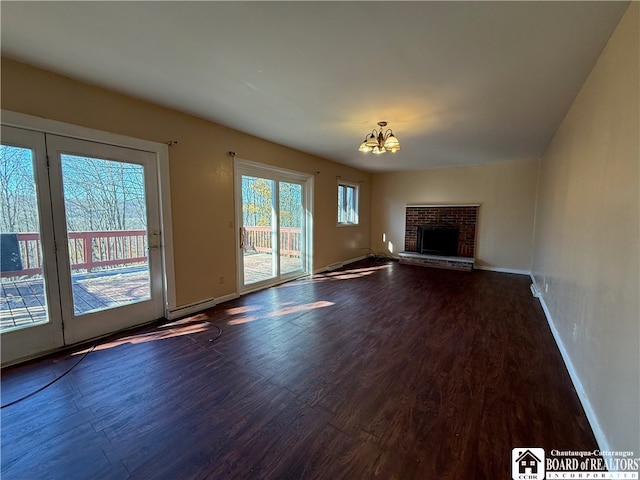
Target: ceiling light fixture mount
x,y
379,142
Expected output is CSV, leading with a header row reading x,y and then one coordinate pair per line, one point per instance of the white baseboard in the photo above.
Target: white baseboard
x,y
226,298
353,260
335,266
502,270
601,438
328,268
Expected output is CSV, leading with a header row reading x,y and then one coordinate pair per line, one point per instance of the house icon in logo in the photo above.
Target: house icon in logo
x,y
528,462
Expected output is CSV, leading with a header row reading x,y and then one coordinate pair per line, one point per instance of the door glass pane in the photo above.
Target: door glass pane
x,y
258,229
291,221
106,217
22,296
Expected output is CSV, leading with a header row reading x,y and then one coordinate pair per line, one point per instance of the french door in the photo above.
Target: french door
x,y
274,218
80,236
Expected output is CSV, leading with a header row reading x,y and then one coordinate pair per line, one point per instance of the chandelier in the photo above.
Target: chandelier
x,y
379,142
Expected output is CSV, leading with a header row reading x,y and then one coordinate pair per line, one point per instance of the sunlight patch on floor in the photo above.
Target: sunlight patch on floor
x,y
284,311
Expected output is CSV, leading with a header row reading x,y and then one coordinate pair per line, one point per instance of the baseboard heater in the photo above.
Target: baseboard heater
x,y
191,309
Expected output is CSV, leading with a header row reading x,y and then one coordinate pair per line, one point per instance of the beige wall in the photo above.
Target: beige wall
x,y
506,194
201,174
586,244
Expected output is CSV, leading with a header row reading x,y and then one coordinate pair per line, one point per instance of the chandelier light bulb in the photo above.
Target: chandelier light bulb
x,y
365,148
391,141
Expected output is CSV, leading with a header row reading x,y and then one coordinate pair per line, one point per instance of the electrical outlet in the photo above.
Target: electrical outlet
x,y
221,279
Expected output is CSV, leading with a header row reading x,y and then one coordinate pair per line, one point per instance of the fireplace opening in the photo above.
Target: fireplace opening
x,y
437,241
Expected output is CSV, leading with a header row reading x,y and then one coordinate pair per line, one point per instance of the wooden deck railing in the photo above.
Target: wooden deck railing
x,y
87,250
259,239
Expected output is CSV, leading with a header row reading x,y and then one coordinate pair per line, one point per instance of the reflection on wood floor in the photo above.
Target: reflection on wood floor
x,y
379,370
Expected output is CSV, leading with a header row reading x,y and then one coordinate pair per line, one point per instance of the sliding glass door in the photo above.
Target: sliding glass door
x,y
274,218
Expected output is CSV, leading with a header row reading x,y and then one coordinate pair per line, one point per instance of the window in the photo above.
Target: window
x,y
347,204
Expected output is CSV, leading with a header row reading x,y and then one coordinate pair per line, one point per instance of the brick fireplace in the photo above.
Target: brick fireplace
x,y
461,217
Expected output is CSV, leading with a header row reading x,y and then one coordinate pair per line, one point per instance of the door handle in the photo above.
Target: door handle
x,y
241,237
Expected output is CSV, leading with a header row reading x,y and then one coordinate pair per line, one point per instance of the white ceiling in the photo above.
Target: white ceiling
x,y
460,83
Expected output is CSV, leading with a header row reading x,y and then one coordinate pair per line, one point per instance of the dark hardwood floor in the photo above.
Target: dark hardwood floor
x,y
376,371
